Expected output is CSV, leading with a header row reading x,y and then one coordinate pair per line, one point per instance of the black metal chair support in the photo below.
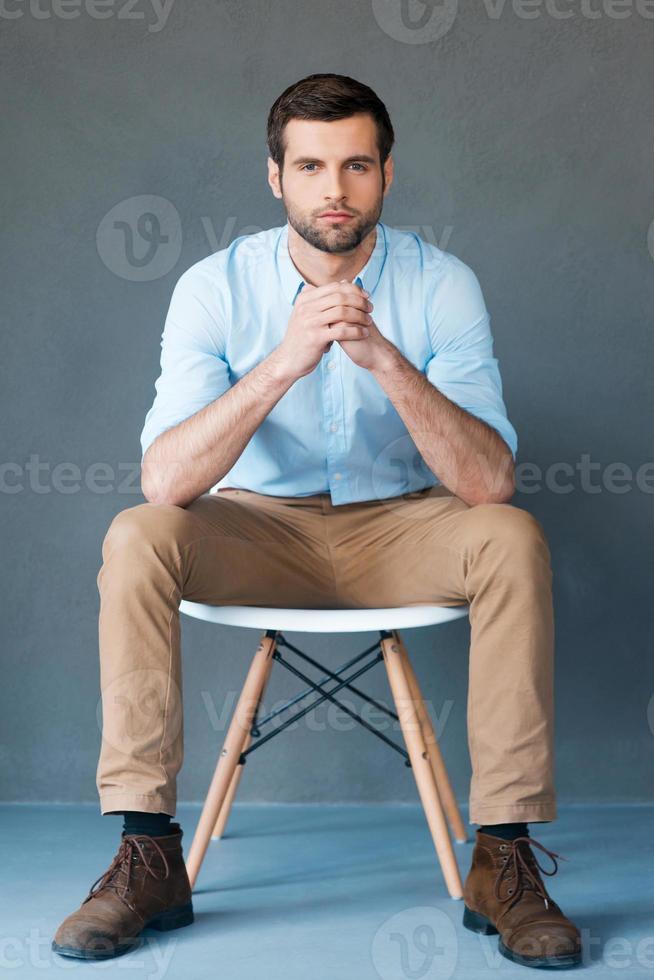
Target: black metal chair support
x,y
324,695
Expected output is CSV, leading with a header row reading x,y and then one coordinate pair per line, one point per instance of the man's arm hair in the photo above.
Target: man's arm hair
x,y
188,459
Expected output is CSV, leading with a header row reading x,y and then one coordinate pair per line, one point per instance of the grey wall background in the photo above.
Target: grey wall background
x,y
524,146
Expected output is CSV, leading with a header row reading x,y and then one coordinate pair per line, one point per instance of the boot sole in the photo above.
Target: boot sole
x,y
477,922
169,919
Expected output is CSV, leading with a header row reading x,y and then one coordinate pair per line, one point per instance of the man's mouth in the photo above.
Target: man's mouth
x,y
335,216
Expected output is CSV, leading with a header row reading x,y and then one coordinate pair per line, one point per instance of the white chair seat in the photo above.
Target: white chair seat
x,y
324,620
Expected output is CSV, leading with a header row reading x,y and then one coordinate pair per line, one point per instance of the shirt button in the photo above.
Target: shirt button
x,y
331,365
334,428
337,476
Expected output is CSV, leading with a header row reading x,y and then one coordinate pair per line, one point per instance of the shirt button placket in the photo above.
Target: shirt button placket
x,y
334,408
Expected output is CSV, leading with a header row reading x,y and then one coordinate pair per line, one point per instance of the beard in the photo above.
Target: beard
x,y
337,238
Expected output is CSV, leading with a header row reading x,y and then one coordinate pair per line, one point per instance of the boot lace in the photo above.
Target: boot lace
x,y
524,870
117,876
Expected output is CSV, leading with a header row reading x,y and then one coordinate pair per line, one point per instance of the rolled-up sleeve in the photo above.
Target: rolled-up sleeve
x,y
194,368
461,364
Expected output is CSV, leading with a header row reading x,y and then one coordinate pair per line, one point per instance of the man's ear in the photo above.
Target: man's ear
x,y
388,173
273,178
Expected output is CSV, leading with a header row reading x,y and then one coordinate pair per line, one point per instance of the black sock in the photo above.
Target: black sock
x,y
152,824
507,831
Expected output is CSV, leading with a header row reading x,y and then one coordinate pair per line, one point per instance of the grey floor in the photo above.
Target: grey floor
x,y
324,893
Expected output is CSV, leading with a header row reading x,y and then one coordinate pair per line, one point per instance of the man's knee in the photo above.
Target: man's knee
x,y
146,524
511,527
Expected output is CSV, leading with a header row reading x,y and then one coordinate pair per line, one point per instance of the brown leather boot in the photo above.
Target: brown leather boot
x,y
504,893
146,884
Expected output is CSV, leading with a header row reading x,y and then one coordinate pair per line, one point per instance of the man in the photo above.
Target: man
x,y
332,382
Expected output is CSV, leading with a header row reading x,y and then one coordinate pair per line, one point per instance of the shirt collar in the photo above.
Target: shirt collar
x,y
291,280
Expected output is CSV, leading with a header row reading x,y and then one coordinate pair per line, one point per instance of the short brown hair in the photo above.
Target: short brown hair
x,y
326,97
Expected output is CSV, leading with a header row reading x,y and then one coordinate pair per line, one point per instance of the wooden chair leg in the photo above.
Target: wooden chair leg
x,y
443,783
225,809
421,765
230,754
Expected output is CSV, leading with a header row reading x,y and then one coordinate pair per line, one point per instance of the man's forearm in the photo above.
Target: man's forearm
x,y
466,454
187,460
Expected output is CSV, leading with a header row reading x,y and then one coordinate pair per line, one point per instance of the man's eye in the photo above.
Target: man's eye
x,y
304,167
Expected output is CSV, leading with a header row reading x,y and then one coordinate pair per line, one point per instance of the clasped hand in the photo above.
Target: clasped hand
x,y
338,311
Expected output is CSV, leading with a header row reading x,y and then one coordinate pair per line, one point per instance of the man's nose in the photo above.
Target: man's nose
x,y
335,203
335,195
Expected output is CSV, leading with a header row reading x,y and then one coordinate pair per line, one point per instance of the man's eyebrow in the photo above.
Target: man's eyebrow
x,y
360,158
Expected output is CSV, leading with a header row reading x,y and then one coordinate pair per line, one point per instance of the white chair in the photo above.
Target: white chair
x,y
244,735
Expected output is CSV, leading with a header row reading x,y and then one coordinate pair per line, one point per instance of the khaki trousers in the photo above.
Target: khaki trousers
x,y
237,547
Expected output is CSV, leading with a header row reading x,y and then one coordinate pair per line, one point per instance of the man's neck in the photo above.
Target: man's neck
x,y
318,268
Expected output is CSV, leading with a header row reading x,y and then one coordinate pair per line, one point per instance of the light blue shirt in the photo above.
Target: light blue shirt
x,y
335,430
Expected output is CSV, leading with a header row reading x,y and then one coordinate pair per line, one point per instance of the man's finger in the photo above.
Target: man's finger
x,y
329,286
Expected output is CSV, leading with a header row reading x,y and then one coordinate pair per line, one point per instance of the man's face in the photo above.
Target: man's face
x,y
332,166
